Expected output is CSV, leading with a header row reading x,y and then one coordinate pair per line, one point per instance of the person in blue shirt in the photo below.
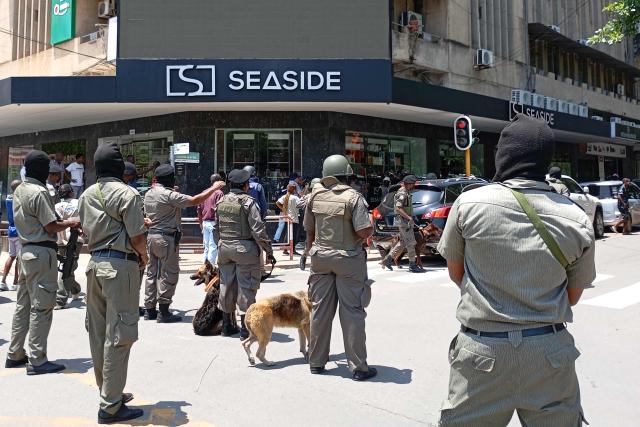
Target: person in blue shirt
x,y
256,190
14,243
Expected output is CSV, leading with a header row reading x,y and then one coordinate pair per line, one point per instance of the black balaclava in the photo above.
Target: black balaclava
x,y
165,175
108,161
525,150
36,164
555,172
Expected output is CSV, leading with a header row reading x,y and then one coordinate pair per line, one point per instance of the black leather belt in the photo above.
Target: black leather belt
x,y
48,244
532,332
163,233
111,253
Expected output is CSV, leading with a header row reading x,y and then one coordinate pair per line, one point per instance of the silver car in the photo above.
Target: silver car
x,y
607,192
583,197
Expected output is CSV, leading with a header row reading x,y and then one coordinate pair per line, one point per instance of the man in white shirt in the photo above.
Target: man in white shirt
x,y
76,170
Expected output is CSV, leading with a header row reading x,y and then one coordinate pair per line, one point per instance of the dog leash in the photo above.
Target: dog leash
x,y
273,265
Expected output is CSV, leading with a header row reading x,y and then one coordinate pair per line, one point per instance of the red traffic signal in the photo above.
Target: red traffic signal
x,y
462,133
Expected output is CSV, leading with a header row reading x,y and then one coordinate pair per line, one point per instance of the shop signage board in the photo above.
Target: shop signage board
x,y
187,158
256,80
625,132
182,148
546,116
63,20
606,150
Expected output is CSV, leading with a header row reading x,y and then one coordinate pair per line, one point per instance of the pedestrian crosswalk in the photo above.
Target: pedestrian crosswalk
x,y
607,293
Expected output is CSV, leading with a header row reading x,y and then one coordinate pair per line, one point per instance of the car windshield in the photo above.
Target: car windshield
x,y
426,195
603,191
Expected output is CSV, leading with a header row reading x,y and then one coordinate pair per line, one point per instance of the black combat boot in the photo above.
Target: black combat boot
x,y
165,316
228,328
150,314
244,332
413,267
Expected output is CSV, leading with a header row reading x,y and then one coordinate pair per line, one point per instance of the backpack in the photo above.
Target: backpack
x,y
386,206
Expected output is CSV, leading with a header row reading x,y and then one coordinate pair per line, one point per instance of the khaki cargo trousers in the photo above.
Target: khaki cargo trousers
x,y
36,298
338,279
113,292
163,270
239,264
490,378
407,241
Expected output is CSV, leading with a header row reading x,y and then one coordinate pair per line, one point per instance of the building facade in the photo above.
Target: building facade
x,y
379,81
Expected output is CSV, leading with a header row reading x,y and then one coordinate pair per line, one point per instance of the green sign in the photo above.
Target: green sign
x,y
625,132
187,158
63,20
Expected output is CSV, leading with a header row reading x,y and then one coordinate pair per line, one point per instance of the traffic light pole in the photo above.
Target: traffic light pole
x,y
467,161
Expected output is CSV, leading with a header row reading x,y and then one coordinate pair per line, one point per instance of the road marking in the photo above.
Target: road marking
x,y
601,278
622,298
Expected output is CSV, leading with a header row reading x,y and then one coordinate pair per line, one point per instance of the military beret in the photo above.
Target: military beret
x,y
410,179
239,176
164,170
130,169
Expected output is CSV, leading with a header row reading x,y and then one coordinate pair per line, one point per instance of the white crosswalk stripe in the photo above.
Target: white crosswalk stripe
x,y
618,299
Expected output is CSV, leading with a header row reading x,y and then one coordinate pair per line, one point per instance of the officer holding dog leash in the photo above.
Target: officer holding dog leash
x,y
163,206
241,235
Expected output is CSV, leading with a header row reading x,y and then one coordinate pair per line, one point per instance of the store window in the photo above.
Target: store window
x,y
373,156
275,153
562,159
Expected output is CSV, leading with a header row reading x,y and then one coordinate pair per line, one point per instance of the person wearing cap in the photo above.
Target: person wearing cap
x,y
555,181
241,235
35,219
130,174
256,190
337,223
113,224
53,182
163,207
67,208
403,206
519,274
384,188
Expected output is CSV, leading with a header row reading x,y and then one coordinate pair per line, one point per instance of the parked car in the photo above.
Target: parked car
x,y
581,196
607,193
432,201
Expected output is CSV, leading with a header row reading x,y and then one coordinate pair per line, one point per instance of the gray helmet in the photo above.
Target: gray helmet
x,y
336,165
313,182
250,169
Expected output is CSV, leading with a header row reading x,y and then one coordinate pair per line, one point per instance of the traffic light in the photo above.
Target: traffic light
x,y
462,133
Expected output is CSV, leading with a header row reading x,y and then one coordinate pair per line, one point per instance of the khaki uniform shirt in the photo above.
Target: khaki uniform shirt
x,y
164,208
360,218
32,210
559,186
110,226
403,200
512,280
256,224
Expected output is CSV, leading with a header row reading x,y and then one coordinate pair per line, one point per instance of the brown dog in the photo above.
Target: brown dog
x,y
423,236
208,318
284,310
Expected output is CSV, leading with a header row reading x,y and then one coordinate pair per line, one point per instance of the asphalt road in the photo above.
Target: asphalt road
x,y
179,378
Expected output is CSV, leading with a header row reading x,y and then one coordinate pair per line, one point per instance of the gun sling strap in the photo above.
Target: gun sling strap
x,y
540,227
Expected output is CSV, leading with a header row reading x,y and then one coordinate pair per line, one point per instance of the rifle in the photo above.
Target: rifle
x,y
68,259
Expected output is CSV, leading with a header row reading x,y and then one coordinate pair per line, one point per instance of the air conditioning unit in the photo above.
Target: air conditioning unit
x,y
413,22
598,118
583,111
555,28
620,89
106,9
521,97
573,109
584,42
483,59
615,119
550,103
537,100
563,106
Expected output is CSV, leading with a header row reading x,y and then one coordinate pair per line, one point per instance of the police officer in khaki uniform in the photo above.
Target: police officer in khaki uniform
x,y
403,206
337,224
111,214
519,274
555,181
37,226
241,235
163,206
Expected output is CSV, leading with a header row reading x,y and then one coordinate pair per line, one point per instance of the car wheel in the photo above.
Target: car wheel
x,y
598,225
